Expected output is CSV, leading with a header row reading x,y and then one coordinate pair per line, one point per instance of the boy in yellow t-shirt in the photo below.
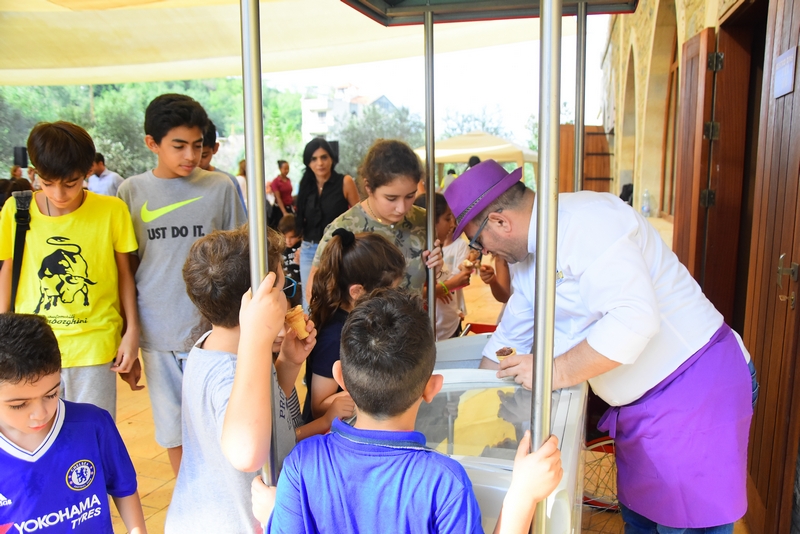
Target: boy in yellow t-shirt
x,y
75,267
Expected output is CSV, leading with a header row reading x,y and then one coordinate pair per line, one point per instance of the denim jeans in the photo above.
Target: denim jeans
x,y
307,252
637,524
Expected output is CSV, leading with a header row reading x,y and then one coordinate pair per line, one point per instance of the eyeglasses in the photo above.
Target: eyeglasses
x,y
290,289
474,244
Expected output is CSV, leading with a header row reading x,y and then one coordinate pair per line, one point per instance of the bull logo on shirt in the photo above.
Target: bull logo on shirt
x,y
63,276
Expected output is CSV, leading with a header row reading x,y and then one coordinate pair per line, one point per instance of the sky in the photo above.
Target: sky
x,y
502,80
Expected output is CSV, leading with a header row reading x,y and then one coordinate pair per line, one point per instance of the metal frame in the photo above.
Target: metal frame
x,y
428,12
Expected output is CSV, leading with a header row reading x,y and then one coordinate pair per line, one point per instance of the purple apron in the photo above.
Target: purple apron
x,y
681,448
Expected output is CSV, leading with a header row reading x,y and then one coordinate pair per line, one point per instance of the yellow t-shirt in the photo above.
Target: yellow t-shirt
x,y
69,274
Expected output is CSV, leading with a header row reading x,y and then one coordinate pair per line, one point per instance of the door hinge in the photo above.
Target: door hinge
x,y
716,61
708,197
711,131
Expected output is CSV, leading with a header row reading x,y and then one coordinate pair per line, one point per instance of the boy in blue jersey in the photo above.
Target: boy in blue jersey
x,y
379,476
59,460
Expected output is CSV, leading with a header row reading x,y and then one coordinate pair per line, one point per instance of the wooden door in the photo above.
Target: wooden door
x,y
596,160
692,167
710,169
771,324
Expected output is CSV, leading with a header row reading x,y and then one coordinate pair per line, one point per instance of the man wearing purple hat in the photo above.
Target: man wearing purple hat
x,y
632,321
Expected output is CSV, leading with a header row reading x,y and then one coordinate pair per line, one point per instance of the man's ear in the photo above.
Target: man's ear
x,y
151,144
433,387
501,221
337,374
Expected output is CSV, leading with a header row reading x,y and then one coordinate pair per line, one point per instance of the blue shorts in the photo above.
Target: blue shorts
x,y
164,373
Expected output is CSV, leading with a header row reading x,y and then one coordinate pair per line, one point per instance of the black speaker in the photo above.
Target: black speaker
x,y
335,148
21,156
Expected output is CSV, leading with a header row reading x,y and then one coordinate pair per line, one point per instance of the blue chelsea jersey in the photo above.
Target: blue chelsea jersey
x,y
63,485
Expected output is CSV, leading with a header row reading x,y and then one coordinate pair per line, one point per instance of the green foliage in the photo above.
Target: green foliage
x,y
359,133
457,123
114,115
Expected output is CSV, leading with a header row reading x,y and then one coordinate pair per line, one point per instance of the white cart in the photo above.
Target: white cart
x,y
478,420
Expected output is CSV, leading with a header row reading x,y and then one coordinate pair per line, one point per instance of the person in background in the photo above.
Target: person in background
x,y
241,178
322,196
103,181
473,160
16,172
448,179
210,147
291,256
451,309
391,172
281,187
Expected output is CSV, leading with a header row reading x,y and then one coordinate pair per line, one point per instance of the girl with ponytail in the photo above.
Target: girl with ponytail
x,y
351,265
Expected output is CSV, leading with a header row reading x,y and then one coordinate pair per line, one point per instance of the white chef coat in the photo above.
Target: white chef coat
x,y
619,287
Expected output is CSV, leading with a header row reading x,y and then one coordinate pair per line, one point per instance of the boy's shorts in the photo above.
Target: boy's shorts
x,y
91,384
164,373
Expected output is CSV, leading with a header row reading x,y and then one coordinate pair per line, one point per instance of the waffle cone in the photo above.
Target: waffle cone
x,y
297,321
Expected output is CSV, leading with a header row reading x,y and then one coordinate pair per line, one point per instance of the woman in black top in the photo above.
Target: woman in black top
x,y
323,195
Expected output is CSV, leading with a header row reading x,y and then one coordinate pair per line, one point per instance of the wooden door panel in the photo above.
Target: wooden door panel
x,y
695,110
771,326
726,177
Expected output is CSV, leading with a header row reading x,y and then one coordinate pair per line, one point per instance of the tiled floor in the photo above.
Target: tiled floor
x,y
156,480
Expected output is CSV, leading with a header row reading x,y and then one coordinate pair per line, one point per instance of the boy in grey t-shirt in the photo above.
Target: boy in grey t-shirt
x,y
210,494
171,207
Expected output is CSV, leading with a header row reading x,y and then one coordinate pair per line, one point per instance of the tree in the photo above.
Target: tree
x,y
358,134
457,123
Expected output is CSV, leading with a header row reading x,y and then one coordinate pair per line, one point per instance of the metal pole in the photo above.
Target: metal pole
x,y
254,154
430,162
580,96
546,227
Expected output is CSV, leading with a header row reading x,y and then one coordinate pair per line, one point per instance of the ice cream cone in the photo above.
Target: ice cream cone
x,y
297,321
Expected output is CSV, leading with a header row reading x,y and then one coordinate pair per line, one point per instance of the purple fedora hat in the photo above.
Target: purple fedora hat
x,y
478,187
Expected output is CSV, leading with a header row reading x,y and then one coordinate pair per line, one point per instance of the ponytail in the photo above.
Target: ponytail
x,y
367,259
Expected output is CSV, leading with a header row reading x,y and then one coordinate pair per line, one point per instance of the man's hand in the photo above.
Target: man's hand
x,y
263,497
520,366
133,376
486,273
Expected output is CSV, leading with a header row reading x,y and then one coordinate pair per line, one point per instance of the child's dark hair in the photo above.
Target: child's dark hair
x,y
217,272
388,352
287,224
281,162
28,348
367,259
170,111
440,204
387,160
210,135
99,158
61,151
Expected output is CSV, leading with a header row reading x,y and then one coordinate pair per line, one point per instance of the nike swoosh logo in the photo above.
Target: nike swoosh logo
x,y
150,216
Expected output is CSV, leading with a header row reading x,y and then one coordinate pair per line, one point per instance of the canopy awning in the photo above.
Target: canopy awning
x,y
460,148
58,42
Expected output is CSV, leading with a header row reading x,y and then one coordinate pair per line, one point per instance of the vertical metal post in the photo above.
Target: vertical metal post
x,y
254,154
580,97
430,161
546,228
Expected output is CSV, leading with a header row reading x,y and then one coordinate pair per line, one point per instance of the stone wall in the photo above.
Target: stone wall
x,y
646,36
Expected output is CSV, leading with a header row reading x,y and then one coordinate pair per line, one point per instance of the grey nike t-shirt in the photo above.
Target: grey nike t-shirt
x,y
168,216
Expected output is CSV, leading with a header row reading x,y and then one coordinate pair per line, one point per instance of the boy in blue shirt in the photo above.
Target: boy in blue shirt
x,y
379,476
59,459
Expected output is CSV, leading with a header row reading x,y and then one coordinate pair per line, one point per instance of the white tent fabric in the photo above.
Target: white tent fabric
x,y
460,148
58,42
